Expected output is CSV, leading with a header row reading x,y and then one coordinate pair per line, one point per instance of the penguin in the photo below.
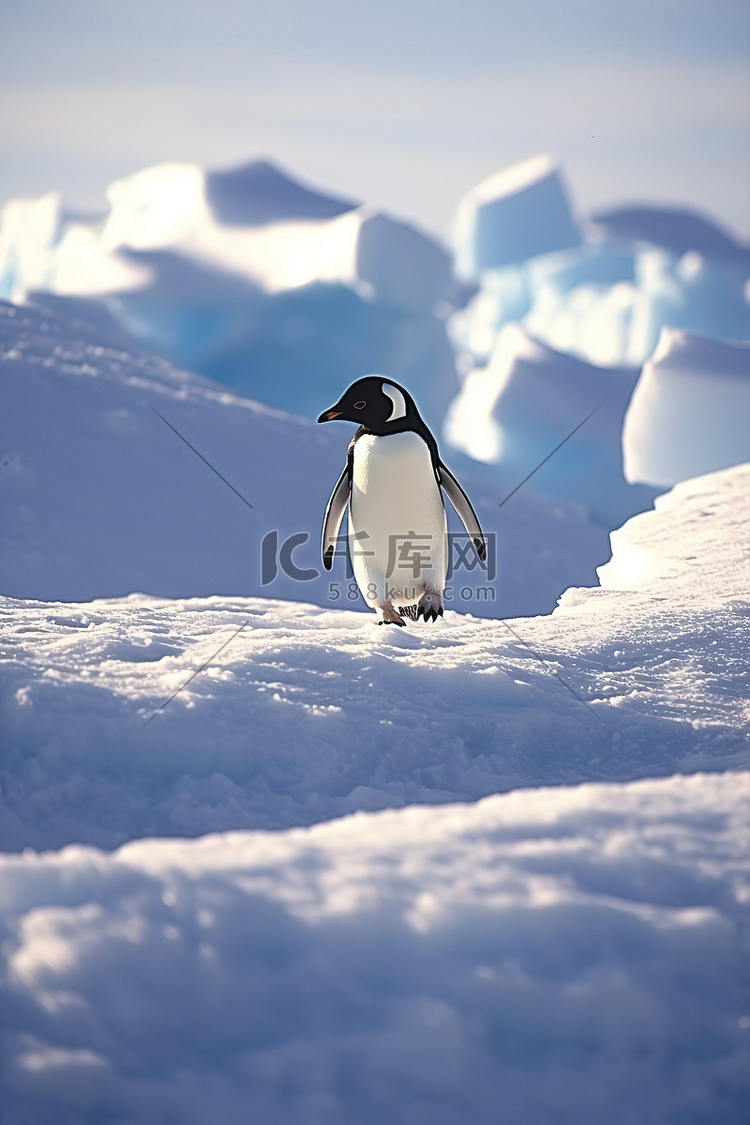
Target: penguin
x,y
391,484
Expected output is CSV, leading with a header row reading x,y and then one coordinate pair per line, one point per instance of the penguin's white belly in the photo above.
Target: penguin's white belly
x,y
397,527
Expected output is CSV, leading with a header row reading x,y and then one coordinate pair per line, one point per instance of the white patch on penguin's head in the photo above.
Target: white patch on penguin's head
x,y
398,400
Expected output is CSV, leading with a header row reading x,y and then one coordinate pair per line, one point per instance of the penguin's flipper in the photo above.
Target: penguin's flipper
x,y
462,504
333,517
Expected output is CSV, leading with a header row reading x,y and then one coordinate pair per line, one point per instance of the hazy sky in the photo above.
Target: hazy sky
x,y
406,103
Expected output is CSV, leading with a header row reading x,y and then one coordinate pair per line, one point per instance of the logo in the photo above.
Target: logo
x,y
409,553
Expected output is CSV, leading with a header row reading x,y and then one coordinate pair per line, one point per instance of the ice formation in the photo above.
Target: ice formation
x,y
606,299
247,277
28,230
287,295
514,411
596,308
690,412
512,216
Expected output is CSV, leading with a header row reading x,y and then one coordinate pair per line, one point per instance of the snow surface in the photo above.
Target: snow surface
x,y
309,713
569,956
690,412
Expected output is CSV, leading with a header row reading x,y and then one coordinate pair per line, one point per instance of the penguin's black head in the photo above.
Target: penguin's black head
x,y
378,404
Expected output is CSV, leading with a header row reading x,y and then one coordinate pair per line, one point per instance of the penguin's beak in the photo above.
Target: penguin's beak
x,y
330,414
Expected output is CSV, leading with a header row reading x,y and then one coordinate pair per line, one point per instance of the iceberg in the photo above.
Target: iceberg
x,y
512,216
603,295
578,301
248,277
677,270
29,231
676,229
514,411
285,294
690,410
258,193
695,292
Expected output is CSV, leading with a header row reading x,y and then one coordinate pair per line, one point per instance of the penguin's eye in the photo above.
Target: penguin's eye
x,y
360,405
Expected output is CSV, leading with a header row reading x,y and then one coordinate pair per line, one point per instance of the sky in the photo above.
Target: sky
x,y
406,104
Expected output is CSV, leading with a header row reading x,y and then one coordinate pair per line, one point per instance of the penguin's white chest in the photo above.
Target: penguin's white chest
x,y
397,525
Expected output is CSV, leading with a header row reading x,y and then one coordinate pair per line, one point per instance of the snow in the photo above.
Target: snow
x,y
568,955
690,412
644,676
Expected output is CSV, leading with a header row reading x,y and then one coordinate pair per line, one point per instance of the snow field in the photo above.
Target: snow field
x,y
564,955
311,713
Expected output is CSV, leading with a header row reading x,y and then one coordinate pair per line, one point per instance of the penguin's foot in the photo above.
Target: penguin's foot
x,y
430,605
388,615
